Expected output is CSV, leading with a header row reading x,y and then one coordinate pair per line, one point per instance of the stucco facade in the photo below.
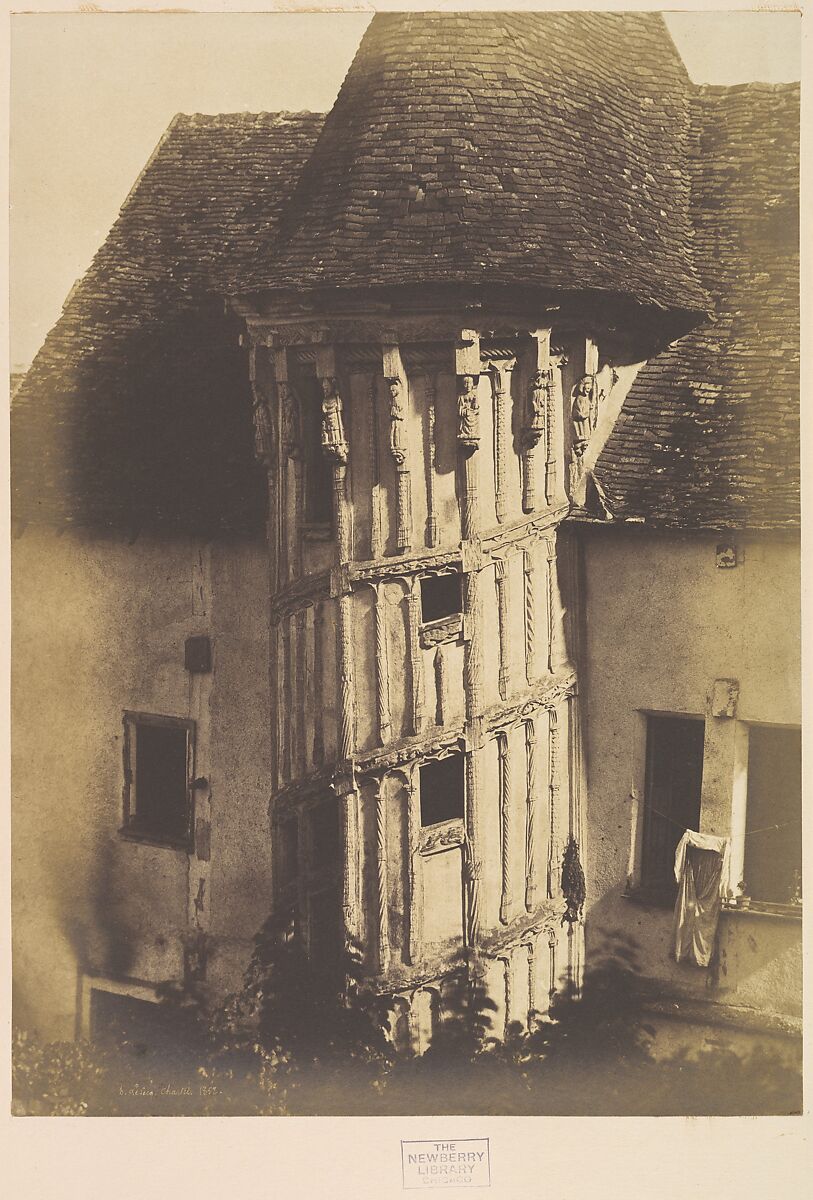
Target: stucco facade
x,y
664,621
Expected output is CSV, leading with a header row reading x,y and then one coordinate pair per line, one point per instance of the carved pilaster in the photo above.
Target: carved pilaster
x,y
431,514
508,999
501,581
287,698
537,428
301,692
441,687
506,828
584,403
382,672
335,447
550,546
347,703
530,588
552,981
473,650
553,801
472,863
531,801
501,393
381,875
533,1003
348,801
467,367
376,537
396,382
415,663
318,684
415,875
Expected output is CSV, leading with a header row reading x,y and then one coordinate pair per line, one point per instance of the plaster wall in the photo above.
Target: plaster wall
x,y
662,623
99,627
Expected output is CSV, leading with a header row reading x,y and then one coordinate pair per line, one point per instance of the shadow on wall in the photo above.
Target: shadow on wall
x,y
168,445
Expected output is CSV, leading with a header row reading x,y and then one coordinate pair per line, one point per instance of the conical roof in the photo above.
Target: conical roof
x,y
545,149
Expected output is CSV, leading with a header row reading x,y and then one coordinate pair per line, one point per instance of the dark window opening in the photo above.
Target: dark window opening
x,y
773,826
442,790
440,597
316,468
674,774
158,774
325,835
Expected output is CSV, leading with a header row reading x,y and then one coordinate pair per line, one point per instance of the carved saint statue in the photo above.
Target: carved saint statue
x,y
263,437
289,411
541,386
584,412
468,412
334,442
397,415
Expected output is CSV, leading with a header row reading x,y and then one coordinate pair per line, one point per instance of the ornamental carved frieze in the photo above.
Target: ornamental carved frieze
x,y
334,442
442,837
468,412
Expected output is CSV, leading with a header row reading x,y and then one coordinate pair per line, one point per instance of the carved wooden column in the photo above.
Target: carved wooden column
x,y
550,546
501,582
530,589
287,698
508,999
381,874
335,447
533,1003
506,828
553,801
441,687
301,693
431,514
318,684
584,404
395,376
501,394
376,537
531,804
552,980
415,874
473,689
467,367
291,443
344,786
382,672
539,422
347,702
415,662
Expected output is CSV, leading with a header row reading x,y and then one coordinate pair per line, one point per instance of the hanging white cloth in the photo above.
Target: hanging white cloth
x,y
701,870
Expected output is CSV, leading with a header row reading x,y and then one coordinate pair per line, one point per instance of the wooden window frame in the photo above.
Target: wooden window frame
x,y
130,830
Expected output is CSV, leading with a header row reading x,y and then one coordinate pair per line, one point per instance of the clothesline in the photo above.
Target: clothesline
x,y
748,832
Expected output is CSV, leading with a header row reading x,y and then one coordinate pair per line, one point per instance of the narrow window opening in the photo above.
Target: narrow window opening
x,y
773,828
325,835
158,779
442,790
441,596
674,775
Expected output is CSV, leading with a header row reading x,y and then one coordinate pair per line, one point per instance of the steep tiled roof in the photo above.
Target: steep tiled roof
x,y
544,148
142,339
709,433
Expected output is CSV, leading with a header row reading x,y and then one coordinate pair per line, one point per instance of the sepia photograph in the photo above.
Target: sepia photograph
x,y
405,566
